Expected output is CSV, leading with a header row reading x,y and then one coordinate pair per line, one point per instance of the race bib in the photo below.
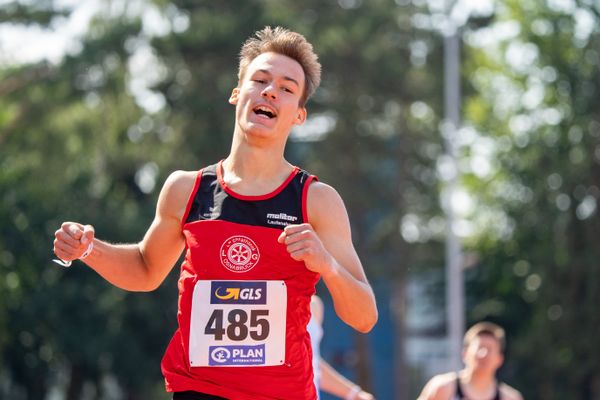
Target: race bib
x,y
238,323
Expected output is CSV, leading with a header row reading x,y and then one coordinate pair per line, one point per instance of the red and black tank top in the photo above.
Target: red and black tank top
x,y
244,303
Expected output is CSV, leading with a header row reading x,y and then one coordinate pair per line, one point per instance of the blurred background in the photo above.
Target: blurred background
x,y
463,135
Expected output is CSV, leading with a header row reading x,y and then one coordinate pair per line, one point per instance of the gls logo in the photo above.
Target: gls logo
x,y
238,292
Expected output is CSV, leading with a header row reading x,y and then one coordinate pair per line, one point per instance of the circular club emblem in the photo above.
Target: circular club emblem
x,y
239,254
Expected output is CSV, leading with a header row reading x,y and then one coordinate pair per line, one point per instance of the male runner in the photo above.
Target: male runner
x,y
257,232
483,354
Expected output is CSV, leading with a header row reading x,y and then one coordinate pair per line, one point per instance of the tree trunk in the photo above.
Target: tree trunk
x,y
75,383
398,310
363,367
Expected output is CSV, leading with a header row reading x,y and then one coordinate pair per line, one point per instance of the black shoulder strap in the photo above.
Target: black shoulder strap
x,y
459,393
497,391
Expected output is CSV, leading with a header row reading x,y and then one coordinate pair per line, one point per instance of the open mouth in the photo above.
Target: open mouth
x,y
266,111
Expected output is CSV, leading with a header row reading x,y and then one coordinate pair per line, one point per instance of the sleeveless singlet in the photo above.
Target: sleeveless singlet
x,y
460,396
244,303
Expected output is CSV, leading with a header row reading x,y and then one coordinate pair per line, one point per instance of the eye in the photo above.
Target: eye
x,y
286,89
259,80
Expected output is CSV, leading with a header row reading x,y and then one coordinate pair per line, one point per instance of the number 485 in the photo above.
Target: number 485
x,y
239,325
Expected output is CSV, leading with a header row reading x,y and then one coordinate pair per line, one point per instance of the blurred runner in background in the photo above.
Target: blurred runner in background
x,y
483,355
327,379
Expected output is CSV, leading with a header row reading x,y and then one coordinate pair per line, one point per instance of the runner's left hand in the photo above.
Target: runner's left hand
x,y
303,244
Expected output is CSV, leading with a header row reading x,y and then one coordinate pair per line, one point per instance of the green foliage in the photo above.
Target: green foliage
x,y
40,13
66,155
540,280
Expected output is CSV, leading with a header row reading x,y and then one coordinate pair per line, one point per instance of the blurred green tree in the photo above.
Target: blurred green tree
x,y
534,84
75,145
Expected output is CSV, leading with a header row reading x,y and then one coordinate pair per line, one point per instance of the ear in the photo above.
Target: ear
x,y
500,360
233,99
301,116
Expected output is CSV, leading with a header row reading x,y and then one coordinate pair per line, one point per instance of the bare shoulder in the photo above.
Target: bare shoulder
x,y
176,191
444,380
324,202
440,387
320,192
180,179
509,393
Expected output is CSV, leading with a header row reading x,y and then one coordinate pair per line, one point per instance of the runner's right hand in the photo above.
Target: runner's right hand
x,y
72,240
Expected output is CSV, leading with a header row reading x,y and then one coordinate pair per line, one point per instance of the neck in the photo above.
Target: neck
x,y
258,162
255,154
478,381
252,170
254,146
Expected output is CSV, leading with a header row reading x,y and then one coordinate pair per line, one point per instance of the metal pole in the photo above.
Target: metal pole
x,y
454,276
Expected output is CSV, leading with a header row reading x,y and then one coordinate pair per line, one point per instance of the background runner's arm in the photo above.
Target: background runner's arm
x,y
338,385
440,387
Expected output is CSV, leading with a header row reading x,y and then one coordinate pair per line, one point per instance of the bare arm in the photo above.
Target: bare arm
x,y
317,309
332,381
440,387
336,384
141,266
325,246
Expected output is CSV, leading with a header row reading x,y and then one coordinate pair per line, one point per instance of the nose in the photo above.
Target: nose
x,y
269,92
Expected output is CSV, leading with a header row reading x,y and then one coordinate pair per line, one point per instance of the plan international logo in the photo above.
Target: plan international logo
x,y
236,355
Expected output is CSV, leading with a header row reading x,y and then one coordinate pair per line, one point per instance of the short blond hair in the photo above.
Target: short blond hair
x,y
291,44
485,328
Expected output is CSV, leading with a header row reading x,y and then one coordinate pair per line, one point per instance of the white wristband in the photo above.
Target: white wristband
x,y
86,253
351,395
